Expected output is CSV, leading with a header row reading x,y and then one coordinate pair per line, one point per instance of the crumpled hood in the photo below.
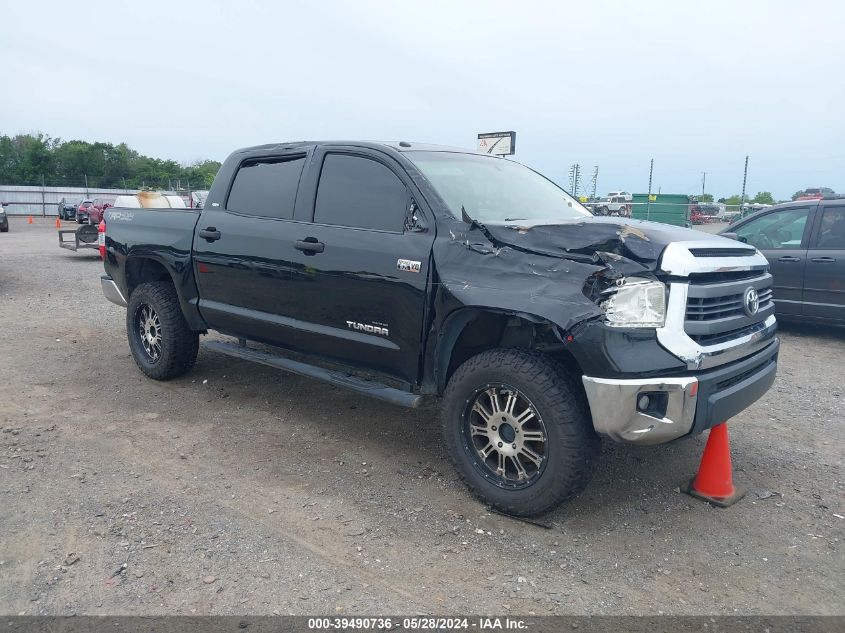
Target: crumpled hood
x,y
627,245
553,272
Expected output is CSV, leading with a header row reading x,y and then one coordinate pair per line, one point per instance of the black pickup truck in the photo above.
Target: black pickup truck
x,y
403,271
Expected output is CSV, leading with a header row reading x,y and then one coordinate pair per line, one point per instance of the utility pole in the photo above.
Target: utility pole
x,y
87,195
703,182
594,181
648,204
744,180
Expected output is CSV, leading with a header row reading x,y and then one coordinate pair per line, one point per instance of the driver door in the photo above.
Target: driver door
x,y
782,236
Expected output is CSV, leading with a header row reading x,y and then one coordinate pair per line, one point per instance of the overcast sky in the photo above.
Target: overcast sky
x,y
695,85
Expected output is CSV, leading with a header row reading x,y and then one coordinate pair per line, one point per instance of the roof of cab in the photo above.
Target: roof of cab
x,y
398,146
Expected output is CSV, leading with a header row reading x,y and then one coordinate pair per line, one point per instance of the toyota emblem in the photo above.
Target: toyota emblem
x,y
751,301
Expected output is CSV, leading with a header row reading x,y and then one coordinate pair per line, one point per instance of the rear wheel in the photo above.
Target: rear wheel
x,y
161,342
518,430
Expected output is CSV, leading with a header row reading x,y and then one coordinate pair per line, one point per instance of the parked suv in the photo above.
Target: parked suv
x,y
67,208
98,206
627,196
83,210
616,206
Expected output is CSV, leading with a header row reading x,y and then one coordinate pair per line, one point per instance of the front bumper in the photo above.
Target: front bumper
x,y
678,405
111,291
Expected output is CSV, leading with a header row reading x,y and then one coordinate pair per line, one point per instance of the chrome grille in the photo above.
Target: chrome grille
x,y
711,308
715,312
706,323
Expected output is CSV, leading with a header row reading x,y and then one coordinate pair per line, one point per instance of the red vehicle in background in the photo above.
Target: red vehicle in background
x,y
697,217
815,193
98,206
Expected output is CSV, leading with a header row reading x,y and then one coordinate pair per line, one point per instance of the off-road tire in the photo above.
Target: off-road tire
x,y
179,344
572,444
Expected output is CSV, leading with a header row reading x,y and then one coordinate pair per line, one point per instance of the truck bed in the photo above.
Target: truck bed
x,y
162,235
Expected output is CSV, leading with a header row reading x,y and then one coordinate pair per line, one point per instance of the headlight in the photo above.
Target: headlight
x,y
636,304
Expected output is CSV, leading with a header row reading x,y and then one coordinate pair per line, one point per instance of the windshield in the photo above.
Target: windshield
x,y
494,189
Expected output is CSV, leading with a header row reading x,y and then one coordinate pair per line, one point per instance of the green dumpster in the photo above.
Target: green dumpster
x,y
669,208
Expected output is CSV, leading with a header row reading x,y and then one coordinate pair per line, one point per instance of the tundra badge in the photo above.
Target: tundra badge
x,y
366,327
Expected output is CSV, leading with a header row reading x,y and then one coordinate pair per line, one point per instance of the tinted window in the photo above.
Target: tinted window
x,y
832,231
776,230
360,192
266,187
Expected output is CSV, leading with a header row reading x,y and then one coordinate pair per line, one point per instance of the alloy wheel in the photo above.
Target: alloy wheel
x,y
149,328
505,436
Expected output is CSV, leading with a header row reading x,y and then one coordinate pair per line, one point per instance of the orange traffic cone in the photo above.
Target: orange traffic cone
x,y
714,481
58,223
30,220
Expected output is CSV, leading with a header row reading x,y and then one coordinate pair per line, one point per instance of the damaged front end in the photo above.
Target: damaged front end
x,y
607,268
601,286
596,283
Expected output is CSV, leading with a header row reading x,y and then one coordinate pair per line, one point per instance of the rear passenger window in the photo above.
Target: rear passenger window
x,y
360,192
266,187
832,231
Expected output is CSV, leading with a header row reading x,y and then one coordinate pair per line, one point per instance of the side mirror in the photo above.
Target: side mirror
x,y
730,236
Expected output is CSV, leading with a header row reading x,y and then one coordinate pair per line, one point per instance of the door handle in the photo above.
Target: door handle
x,y
309,246
823,260
210,234
789,258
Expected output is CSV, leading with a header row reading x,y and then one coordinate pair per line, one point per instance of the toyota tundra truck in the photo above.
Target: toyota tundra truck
x,y
405,271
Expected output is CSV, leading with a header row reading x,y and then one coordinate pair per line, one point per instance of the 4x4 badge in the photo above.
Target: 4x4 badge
x,y
408,265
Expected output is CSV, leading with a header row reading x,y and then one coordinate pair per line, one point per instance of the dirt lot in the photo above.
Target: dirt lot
x,y
240,489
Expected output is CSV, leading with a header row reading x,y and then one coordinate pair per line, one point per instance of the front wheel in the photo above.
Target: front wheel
x,y
161,342
518,430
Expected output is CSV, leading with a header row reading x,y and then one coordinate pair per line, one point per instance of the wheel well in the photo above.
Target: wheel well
x,y
141,270
485,330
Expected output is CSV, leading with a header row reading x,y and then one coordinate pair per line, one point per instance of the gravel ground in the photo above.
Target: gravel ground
x,y
243,490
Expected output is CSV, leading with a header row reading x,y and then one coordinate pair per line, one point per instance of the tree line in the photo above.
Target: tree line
x,y
762,197
38,159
